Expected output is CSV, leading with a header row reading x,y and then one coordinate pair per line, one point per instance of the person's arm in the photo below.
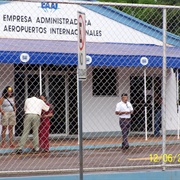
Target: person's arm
x,y
120,113
131,109
14,105
45,107
49,115
118,110
129,112
1,101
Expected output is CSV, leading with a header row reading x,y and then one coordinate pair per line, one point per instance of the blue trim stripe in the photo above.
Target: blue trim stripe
x,y
134,23
98,59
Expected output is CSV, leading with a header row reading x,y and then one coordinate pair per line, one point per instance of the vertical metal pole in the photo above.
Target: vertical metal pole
x,y
178,123
81,75
67,103
78,102
153,104
164,92
145,101
26,86
177,99
40,80
80,128
46,76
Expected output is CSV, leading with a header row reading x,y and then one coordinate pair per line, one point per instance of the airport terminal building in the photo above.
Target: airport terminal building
x,y
38,48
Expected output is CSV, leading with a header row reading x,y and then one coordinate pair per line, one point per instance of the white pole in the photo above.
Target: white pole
x,y
145,101
153,104
177,96
164,90
40,79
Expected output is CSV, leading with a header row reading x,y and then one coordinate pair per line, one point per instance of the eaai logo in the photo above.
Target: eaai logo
x,y
46,6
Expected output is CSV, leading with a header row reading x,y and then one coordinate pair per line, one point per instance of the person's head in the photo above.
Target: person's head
x,y
34,93
43,97
7,92
124,97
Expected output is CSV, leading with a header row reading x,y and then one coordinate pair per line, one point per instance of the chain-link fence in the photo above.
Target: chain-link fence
x,y
128,51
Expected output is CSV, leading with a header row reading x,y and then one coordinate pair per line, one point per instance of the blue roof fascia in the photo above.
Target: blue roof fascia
x,y
13,57
134,23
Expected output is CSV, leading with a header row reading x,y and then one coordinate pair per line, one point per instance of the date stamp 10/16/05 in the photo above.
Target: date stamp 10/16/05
x,y
167,158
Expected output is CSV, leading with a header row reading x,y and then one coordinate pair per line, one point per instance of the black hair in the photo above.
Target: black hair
x,y
5,92
34,93
44,95
124,94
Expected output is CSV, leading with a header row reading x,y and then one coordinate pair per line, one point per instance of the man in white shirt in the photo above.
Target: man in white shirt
x,y
33,108
124,109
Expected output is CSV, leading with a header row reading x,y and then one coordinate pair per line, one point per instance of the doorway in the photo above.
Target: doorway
x,y
153,85
60,86
57,99
19,89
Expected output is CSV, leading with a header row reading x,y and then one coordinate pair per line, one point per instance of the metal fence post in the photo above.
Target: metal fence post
x,y
164,92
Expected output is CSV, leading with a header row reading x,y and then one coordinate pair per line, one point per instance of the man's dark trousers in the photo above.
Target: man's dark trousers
x,y
125,124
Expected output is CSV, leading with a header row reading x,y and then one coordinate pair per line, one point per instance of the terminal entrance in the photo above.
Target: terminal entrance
x,y
153,85
59,85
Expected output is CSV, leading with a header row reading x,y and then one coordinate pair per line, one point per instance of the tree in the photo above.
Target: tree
x,y
146,1
153,16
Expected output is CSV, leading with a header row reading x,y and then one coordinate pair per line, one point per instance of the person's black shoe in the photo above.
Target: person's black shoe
x,y
122,146
19,151
125,147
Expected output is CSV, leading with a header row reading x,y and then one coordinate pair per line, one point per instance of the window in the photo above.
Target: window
x,y
104,82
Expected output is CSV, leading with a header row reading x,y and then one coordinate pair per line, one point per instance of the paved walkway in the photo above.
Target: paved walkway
x,y
100,153
66,143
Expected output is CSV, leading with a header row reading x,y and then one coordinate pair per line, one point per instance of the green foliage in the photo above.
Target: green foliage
x,y
165,2
173,21
114,1
168,2
132,1
146,1
153,16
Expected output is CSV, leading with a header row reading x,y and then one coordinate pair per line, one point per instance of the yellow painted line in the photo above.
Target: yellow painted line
x,y
142,159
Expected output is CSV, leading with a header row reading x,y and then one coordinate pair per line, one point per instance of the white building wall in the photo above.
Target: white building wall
x,y
171,102
99,112
99,25
7,76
